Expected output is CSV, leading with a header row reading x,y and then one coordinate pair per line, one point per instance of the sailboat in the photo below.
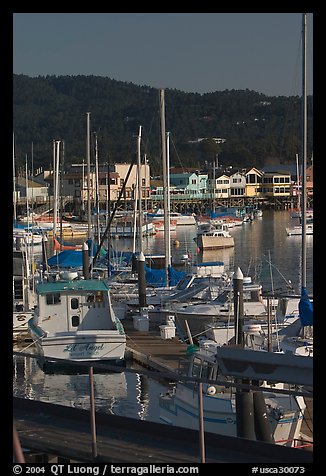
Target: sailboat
x,y
305,305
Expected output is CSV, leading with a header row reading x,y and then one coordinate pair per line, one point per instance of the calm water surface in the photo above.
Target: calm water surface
x,y
262,250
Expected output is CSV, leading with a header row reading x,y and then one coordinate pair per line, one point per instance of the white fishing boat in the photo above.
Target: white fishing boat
x,y
27,236
74,320
297,229
216,237
178,218
284,412
124,227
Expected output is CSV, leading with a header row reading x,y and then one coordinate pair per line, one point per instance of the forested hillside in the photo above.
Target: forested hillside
x,y
257,129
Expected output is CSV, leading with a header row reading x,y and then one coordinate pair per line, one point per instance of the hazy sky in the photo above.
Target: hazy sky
x,y
192,52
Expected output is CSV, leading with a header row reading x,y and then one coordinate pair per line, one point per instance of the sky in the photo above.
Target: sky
x,y
191,52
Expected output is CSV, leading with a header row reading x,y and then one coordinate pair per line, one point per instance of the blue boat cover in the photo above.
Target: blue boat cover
x,y
157,277
67,259
305,309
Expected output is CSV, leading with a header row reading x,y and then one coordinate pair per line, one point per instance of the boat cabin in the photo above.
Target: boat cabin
x,y
74,305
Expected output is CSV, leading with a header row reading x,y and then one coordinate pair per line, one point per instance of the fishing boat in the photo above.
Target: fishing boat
x,y
177,218
216,237
74,320
297,229
284,412
27,236
124,227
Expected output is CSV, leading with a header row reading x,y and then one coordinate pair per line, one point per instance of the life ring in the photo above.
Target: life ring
x,y
21,317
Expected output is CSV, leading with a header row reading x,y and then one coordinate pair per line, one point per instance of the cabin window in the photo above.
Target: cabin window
x,y
53,299
207,370
90,298
75,321
74,303
196,367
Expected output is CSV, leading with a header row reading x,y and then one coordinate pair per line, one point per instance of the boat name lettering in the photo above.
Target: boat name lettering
x,y
84,348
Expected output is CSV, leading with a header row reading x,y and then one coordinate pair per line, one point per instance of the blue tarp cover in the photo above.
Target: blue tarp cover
x,y
157,277
305,309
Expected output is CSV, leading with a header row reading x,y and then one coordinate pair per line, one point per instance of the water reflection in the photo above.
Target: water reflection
x,y
126,394
260,246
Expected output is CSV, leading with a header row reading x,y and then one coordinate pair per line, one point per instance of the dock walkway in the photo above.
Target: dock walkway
x,y
150,350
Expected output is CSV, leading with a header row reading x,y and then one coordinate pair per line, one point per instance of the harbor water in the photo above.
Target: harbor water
x,y
262,250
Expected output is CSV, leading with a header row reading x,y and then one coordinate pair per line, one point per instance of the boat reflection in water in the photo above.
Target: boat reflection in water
x,y
67,389
126,393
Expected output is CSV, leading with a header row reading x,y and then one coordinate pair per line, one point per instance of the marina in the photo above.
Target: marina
x,y
109,373
149,350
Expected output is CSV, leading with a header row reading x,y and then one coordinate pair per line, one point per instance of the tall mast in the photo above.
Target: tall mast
x,y
167,211
88,155
165,180
56,186
304,150
14,178
97,190
140,216
298,180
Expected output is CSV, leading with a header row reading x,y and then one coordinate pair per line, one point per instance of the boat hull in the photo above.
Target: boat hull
x,y
219,412
81,346
215,242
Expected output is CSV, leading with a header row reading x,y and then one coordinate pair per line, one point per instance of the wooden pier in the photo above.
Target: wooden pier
x,y
151,351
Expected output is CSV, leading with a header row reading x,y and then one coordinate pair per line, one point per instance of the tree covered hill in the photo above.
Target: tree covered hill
x,y
257,128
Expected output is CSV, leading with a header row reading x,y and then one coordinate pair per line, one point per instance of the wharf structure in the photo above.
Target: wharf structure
x,y
190,190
